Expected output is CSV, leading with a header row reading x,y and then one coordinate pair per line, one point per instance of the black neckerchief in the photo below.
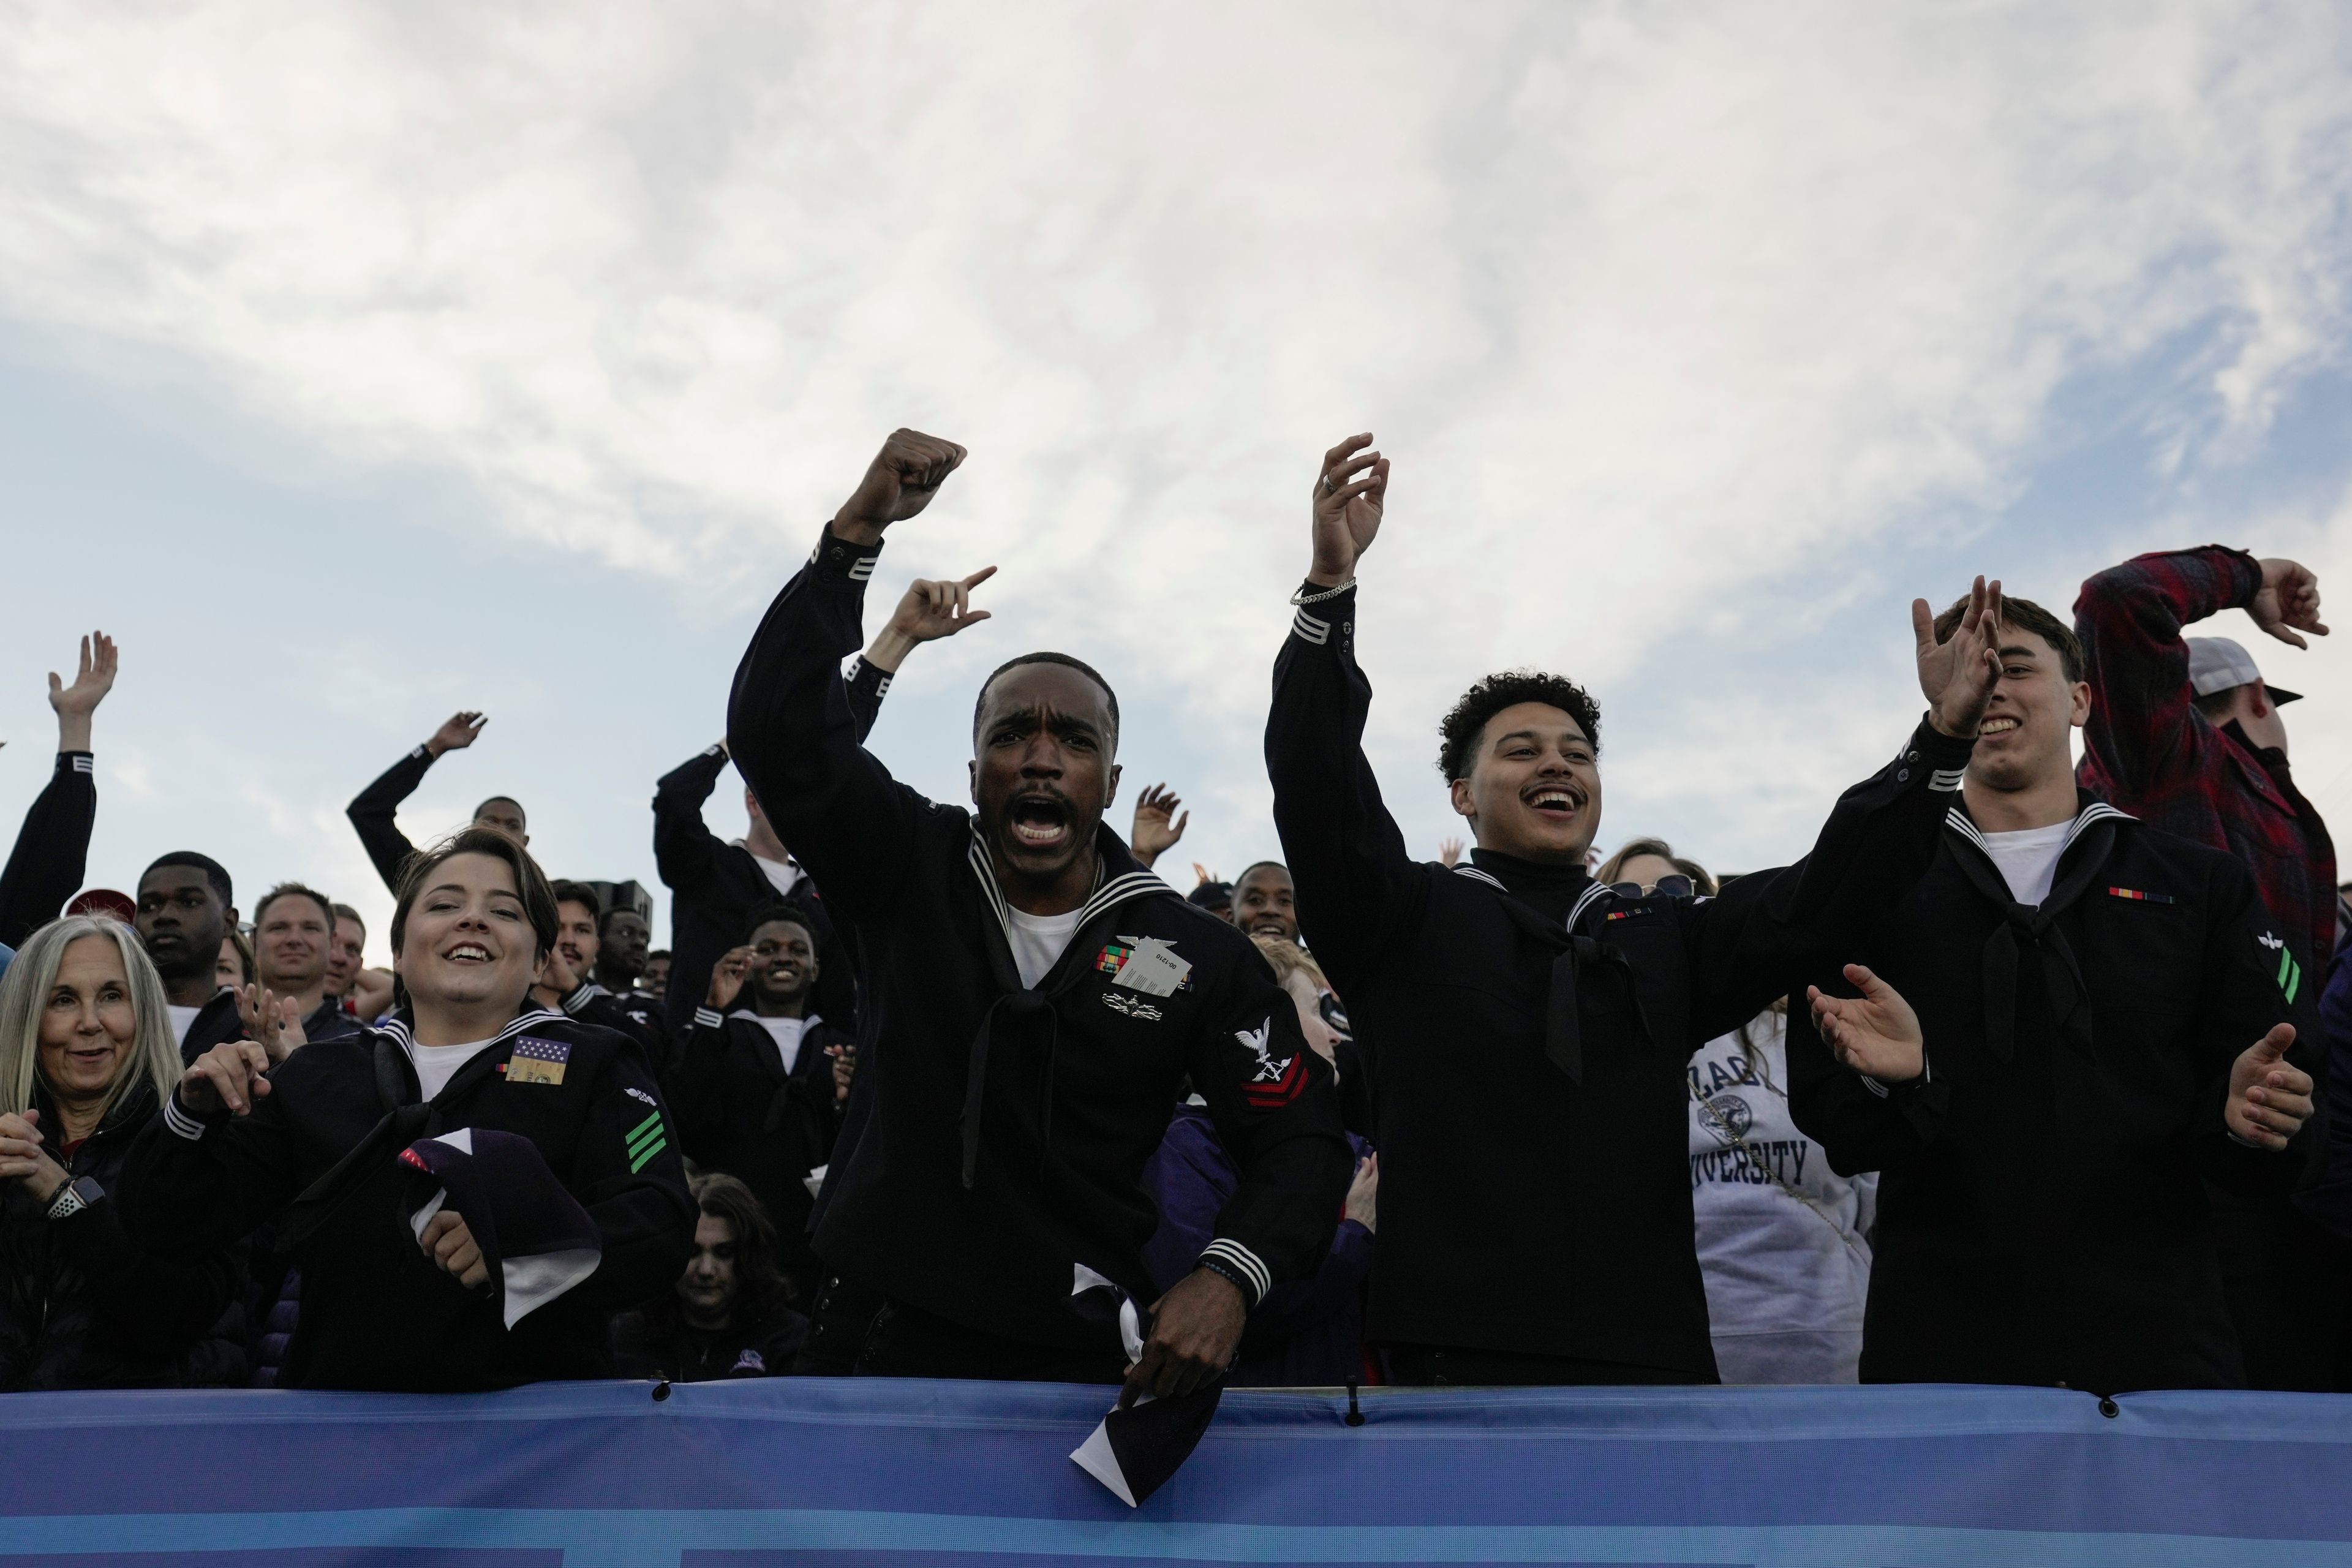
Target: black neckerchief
x,y
1118,877
2088,844
1548,903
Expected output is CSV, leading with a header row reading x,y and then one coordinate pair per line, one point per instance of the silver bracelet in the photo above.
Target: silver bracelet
x,y
1304,597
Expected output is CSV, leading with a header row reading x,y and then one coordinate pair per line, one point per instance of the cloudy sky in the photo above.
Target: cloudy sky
x,y
358,363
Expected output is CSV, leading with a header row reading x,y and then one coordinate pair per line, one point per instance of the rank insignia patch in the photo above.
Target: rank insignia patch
x,y
538,1061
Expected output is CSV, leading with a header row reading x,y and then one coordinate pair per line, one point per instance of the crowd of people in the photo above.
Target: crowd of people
x,y
2021,1075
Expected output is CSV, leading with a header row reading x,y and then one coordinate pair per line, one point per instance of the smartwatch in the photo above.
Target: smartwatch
x,y
75,1196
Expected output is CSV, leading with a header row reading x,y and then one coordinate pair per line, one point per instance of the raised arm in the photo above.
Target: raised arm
x,y
790,725
2144,730
1356,881
373,809
929,609
683,847
52,850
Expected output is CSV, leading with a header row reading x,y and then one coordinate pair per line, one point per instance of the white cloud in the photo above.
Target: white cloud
x,y
1654,307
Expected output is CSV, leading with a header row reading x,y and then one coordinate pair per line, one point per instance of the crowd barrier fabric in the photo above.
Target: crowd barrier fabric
x,y
787,1471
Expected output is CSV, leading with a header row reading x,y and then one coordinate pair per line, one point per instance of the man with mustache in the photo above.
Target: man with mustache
x,y
1038,997
1527,1029
754,1086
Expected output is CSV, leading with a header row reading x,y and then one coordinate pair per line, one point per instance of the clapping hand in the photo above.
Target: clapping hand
x,y
271,1021
2269,1097
1957,674
727,977
845,1071
1349,495
1875,1033
2288,601
1158,825
23,1158
234,1075
900,482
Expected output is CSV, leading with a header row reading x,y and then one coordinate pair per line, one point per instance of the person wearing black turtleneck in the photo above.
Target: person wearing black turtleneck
x,y
1527,1029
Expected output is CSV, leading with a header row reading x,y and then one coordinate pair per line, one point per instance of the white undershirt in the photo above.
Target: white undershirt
x,y
181,1018
783,874
2028,859
1038,942
787,1032
437,1064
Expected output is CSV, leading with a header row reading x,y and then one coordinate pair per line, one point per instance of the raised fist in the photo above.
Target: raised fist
x,y
900,482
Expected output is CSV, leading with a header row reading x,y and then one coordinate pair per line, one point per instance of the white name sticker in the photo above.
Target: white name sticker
x,y
1152,968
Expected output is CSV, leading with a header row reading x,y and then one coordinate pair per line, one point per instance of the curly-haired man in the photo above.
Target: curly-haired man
x,y
1525,1028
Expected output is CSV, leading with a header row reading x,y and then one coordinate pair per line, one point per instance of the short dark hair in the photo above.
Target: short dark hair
x,y
2027,616
530,882
345,912
770,914
1259,865
294,890
1458,733
606,918
490,801
658,953
979,702
215,872
570,892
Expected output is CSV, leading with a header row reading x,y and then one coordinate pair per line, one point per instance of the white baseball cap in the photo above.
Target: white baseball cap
x,y
2218,664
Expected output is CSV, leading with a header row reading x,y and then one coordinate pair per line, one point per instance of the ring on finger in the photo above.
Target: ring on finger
x,y
1328,487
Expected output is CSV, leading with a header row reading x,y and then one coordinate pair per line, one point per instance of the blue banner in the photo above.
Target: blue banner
x,y
790,1471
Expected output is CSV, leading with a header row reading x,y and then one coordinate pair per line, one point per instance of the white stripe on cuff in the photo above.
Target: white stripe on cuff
x,y
1945,780
1310,627
1229,1251
180,1121
1872,1085
882,687
710,1018
81,763
863,569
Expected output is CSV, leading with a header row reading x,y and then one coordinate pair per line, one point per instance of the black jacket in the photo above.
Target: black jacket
x,y
216,1023
52,850
741,1110
1527,1031
1010,1127
376,1313
661,1344
716,887
373,809
82,1305
636,1014
2042,1214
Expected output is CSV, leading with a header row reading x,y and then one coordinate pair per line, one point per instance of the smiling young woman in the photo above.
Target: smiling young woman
x,y
86,1055
403,1284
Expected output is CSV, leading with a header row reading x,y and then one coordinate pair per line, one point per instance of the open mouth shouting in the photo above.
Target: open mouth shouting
x,y
1040,821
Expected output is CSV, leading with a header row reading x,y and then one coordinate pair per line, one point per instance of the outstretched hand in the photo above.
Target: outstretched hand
x,y
1195,1328
1449,852
272,1021
2288,601
456,732
727,977
1957,674
1349,496
2270,1096
1158,825
900,482
929,609
93,678
1875,1033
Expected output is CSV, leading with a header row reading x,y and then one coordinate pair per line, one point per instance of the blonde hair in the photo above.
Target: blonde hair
x,y
1288,959
1633,848
24,993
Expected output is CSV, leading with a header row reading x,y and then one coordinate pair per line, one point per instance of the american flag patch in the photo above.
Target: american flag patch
x,y
2134,893
536,1061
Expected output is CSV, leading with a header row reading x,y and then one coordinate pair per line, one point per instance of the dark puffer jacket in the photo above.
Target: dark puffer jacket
x,y
81,1307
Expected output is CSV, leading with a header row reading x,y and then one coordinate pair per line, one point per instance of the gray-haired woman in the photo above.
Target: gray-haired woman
x,y
86,1056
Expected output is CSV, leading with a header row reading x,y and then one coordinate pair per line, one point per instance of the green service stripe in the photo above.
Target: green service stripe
x,y
641,1126
642,1137
2294,983
638,1163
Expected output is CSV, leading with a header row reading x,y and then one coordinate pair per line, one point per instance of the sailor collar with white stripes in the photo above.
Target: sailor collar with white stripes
x,y
1576,911
1109,889
404,1032
1957,819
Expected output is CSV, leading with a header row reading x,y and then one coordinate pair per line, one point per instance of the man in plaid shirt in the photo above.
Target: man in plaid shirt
x,y
2185,735
2208,762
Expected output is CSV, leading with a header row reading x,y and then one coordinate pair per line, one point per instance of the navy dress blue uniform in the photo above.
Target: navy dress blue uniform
x,y
2043,1213
1001,1166
1525,1031
376,1311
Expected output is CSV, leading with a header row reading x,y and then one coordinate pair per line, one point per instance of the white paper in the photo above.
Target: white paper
x,y
1095,1457
1152,968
